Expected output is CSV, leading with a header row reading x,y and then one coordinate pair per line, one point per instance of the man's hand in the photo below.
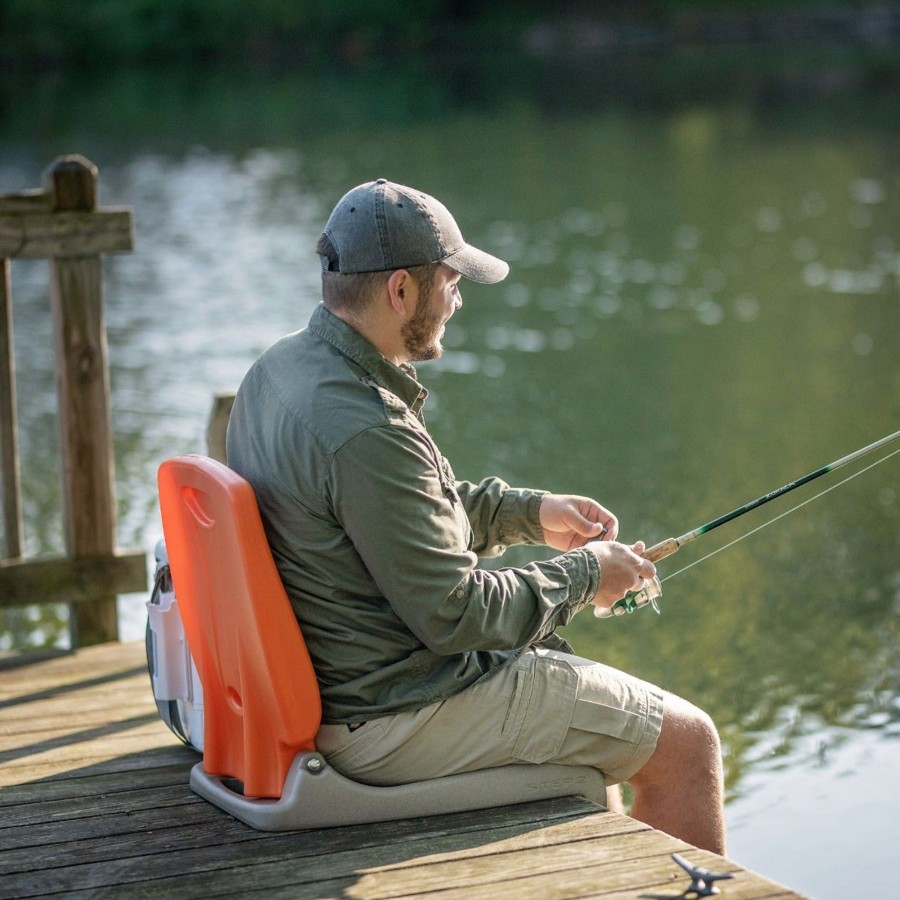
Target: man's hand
x,y
622,569
570,521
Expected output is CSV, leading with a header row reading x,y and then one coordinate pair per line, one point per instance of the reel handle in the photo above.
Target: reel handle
x,y
634,600
651,590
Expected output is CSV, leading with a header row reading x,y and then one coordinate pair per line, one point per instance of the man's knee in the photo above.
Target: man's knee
x,y
688,745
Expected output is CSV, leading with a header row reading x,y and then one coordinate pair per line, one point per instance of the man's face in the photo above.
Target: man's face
x,y
423,332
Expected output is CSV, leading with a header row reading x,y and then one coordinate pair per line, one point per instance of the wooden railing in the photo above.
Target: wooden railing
x,y
61,222
217,425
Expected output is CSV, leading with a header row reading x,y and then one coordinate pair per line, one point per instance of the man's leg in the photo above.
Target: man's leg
x,y
614,799
680,788
554,707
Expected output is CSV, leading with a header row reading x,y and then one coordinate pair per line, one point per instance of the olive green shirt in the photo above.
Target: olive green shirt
x,y
376,540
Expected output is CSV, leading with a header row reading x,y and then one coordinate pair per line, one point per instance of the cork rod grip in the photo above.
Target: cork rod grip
x,y
661,550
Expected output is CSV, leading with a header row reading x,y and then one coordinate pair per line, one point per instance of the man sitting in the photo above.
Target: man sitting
x,y
428,664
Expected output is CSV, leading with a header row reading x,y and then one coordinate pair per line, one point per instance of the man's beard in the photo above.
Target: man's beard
x,y
421,334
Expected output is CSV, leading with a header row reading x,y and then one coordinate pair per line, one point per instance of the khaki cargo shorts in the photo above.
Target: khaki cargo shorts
x,y
544,706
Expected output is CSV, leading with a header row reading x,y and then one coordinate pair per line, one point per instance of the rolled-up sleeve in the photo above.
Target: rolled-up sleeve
x,y
500,515
411,527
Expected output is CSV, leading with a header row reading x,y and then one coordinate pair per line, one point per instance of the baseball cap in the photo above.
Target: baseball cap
x,y
381,226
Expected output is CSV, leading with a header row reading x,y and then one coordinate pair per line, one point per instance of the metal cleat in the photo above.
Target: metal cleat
x,y
702,879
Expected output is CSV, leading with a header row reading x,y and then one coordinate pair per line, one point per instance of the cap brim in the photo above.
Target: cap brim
x,y
477,265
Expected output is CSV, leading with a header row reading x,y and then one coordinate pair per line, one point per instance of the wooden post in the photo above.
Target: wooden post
x,y
82,377
9,447
218,426
61,223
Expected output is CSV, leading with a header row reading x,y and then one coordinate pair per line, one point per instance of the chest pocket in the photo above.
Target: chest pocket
x,y
401,414
448,483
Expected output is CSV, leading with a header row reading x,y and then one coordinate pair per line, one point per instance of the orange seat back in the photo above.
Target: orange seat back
x,y
261,699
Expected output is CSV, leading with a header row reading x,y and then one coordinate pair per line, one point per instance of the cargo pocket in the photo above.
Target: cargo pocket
x,y
355,751
544,715
512,724
601,718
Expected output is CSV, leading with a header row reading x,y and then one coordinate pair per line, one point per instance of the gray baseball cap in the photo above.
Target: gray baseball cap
x,y
381,226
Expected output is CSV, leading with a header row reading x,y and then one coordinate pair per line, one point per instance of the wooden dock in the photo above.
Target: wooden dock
x,y
94,802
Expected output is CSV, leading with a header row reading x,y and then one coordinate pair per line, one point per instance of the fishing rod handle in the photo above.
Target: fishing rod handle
x,y
652,589
661,550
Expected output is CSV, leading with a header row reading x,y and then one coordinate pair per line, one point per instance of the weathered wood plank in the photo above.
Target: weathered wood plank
x,y
128,736
82,386
72,182
517,864
474,857
62,798
22,675
105,749
9,441
41,696
40,234
87,839
105,810
655,875
200,854
32,200
217,426
96,764
43,824
88,707
76,738
72,580
288,865
163,765
61,222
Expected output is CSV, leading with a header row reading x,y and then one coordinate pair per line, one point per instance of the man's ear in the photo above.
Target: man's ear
x,y
402,292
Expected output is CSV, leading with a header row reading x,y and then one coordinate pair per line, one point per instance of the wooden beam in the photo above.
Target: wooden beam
x,y
217,427
60,221
82,386
72,182
34,200
40,234
62,218
63,580
10,486
83,391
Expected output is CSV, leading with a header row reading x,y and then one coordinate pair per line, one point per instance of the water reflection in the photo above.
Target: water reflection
x,y
702,306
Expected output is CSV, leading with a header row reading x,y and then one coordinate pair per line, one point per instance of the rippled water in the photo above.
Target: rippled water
x,y
703,305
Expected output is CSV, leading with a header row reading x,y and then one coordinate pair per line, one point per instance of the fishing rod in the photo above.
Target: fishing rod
x,y
653,589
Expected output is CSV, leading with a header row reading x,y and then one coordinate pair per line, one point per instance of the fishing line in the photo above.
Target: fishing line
x,y
653,587
787,512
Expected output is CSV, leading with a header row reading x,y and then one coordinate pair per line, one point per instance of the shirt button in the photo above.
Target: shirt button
x,y
460,593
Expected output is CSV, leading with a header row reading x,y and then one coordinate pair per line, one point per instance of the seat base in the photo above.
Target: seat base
x,y
317,796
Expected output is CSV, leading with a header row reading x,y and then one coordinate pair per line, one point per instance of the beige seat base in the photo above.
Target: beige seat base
x,y
317,796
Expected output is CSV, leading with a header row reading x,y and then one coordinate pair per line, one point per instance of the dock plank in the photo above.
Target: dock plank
x,y
95,802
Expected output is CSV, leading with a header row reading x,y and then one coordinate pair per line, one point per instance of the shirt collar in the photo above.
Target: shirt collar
x,y
399,380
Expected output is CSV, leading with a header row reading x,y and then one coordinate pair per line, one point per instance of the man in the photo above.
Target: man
x,y
428,664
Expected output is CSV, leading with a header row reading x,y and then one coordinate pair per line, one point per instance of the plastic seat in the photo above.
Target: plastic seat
x,y
261,700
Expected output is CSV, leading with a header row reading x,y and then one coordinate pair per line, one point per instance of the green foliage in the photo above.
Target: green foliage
x,y
93,34
40,33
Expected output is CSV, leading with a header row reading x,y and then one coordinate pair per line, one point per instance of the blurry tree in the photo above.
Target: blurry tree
x,y
36,34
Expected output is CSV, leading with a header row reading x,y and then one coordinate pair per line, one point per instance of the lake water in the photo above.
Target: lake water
x,y
703,305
